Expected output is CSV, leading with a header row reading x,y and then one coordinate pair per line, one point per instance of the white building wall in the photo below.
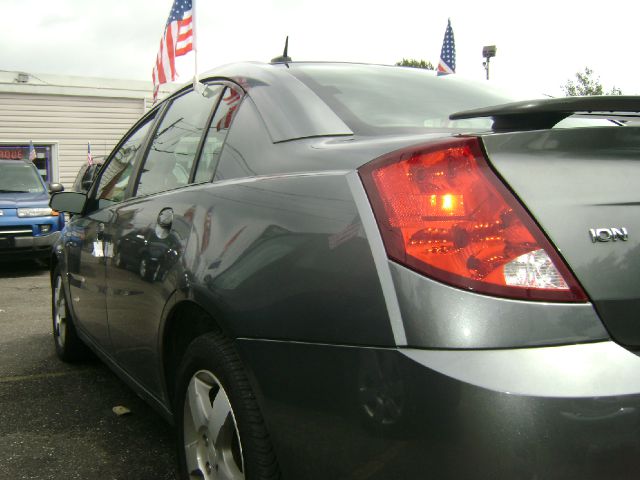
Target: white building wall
x,y
69,112
69,122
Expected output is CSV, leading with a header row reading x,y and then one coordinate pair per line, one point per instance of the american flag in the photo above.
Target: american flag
x,y
89,156
32,152
177,40
448,53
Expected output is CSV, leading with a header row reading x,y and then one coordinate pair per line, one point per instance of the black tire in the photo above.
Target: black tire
x,y
69,347
241,449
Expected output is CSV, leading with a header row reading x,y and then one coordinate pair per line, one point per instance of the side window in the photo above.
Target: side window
x,y
115,176
175,143
216,134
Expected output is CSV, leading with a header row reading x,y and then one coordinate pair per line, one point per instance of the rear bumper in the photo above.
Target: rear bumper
x,y
349,412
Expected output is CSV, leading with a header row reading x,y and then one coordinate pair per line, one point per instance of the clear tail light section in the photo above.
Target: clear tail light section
x,y
444,213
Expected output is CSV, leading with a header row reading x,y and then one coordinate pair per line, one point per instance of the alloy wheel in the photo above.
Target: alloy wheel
x,y
60,313
211,439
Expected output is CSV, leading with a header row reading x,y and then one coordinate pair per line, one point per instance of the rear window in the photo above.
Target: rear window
x,y
371,99
376,99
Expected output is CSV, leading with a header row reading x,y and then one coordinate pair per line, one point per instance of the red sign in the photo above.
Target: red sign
x,y
11,154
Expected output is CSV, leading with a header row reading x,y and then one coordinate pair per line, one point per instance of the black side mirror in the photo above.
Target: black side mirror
x,y
69,202
55,187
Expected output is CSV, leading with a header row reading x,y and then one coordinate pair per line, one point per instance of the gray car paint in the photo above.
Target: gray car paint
x,y
601,369
573,180
439,316
379,257
449,414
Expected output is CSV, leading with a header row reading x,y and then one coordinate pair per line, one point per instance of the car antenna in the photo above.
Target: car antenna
x,y
284,58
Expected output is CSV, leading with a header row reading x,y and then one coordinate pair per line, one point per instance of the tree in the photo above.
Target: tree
x,y
586,84
410,62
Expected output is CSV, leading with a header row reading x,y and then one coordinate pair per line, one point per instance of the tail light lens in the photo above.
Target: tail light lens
x,y
444,213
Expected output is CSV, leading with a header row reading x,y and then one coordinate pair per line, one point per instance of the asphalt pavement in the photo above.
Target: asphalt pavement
x,y
57,419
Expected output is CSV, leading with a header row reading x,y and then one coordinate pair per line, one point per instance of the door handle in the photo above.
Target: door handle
x,y
165,218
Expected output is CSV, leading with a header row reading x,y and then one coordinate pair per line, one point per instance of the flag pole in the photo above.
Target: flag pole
x,y
195,46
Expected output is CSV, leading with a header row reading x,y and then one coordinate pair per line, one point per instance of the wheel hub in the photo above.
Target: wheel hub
x,y
211,439
59,317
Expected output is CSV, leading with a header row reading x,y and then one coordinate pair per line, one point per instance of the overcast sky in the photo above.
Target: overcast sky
x,y
540,45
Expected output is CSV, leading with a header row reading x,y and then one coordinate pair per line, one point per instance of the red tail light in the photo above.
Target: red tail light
x,y
444,213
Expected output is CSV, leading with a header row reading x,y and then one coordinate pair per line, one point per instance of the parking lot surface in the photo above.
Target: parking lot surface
x,y
57,419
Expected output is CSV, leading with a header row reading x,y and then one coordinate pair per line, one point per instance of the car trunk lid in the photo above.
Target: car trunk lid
x,y
581,186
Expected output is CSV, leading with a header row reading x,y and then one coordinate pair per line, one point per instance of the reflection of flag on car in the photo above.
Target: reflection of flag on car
x,y
232,100
177,40
89,156
32,152
447,62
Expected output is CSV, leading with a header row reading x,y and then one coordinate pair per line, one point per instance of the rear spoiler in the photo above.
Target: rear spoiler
x,y
545,113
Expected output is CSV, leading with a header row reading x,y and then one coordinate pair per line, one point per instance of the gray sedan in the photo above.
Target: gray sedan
x,y
358,271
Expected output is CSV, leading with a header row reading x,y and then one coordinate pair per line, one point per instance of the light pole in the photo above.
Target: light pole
x,y
488,52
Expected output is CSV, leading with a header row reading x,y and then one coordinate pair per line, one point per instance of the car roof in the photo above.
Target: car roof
x,y
13,162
